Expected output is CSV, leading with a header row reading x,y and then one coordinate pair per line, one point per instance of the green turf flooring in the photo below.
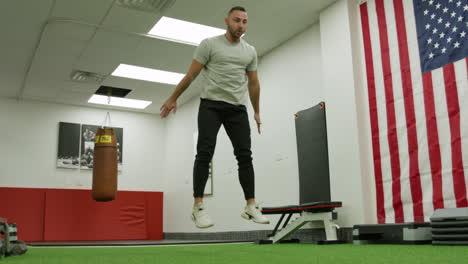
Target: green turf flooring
x,y
248,254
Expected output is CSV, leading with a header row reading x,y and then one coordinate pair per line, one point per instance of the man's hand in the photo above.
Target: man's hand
x,y
259,122
254,93
171,103
167,107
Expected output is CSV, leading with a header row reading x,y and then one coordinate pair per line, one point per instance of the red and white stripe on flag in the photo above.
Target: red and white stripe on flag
x,y
418,120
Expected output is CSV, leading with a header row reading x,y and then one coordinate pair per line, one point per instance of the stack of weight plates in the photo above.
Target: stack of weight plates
x,y
450,226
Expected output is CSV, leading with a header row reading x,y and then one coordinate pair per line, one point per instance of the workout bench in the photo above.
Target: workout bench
x,y
319,214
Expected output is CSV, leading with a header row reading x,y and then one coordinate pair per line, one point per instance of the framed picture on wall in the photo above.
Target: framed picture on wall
x,y
76,145
88,135
209,183
68,154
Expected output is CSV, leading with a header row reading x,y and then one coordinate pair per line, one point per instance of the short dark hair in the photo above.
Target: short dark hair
x,y
238,8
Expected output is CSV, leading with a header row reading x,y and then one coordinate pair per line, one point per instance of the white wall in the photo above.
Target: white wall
x,y
347,123
290,78
29,139
363,116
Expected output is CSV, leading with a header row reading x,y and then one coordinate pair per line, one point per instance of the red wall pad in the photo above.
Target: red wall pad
x,y
154,213
25,207
72,215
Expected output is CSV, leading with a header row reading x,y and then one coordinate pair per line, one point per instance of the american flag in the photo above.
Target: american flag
x,y
417,82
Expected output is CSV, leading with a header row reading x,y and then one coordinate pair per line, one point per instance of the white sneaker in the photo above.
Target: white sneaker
x,y
200,217
252,212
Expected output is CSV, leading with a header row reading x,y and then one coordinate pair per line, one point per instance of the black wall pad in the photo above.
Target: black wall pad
x,y
307,234
312,153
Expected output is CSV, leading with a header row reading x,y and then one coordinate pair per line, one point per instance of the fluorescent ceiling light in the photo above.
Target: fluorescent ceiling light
x,y
117,101
183,31
147,74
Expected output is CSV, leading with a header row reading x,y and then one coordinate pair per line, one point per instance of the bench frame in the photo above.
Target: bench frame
x,y
319,215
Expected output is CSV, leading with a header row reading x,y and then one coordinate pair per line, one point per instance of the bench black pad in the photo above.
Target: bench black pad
x,y
315,207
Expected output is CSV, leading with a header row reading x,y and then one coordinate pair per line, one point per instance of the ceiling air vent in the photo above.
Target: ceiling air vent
x,y
89,77
153,6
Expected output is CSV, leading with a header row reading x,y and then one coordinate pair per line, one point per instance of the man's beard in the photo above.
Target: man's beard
x,y
233,33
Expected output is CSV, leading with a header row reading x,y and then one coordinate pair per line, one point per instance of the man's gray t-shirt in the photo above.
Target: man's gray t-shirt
x,y
224,76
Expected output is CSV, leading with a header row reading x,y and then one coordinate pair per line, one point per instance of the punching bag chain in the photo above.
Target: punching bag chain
x,y
107,121
109,95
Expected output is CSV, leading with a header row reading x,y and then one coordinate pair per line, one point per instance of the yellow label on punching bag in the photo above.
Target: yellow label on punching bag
x,y
106,139
96,139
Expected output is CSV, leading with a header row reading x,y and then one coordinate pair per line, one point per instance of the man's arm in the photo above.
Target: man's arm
x,y
190,76
254,93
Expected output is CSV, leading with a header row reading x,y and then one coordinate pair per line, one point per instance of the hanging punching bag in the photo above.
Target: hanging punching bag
x,y
105,165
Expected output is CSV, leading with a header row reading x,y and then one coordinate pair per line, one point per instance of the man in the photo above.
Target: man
x,y
228,67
